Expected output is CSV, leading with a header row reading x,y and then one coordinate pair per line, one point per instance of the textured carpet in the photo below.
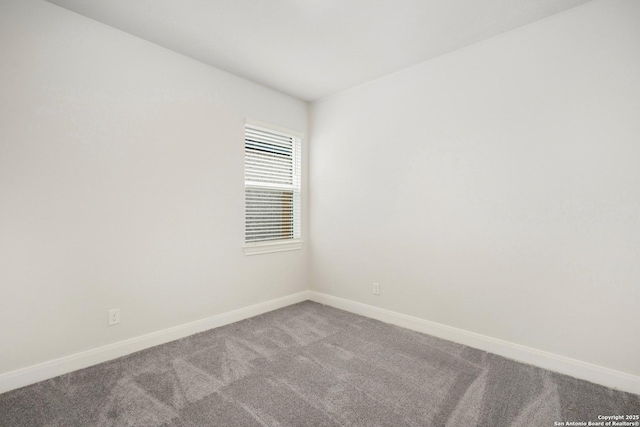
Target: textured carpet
x,y
311,365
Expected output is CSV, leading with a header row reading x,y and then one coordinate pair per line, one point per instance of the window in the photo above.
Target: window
x,y
272,162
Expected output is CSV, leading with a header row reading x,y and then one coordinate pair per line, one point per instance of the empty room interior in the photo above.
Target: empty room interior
x,y
319,213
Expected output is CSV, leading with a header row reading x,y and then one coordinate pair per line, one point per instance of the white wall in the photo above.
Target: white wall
x,y
495,189
121,186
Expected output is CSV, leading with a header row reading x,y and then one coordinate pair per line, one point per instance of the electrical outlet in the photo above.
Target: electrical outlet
x,y
114,316
376,288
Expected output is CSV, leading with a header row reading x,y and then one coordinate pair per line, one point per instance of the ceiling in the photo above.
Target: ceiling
x,y
314,48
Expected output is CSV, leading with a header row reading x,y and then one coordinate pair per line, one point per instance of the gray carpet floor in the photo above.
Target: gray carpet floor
x,y
311,365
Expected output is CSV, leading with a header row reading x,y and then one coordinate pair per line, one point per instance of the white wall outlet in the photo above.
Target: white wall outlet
x,y
114,316
376,289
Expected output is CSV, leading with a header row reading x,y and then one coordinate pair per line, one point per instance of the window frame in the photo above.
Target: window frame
x,y
289,244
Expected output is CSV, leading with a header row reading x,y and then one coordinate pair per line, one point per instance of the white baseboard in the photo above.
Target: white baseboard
x,y
575,368
53,368
553,362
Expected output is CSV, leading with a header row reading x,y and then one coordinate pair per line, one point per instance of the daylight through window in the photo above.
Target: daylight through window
x,y
272,185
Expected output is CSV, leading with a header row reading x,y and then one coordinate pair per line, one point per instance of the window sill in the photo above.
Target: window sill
x,y
268,247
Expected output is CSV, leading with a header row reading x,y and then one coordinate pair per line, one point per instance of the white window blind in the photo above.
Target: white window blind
x,y
272,185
